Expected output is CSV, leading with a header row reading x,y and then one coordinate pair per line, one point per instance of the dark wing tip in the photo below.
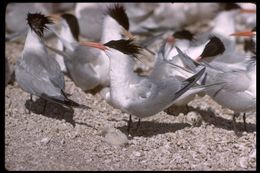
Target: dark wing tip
x,y
38,22
118,12
125,46
214,47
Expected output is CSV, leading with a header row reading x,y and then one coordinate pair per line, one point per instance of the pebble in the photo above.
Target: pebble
x,y
194,119
136,153
45,140
114,136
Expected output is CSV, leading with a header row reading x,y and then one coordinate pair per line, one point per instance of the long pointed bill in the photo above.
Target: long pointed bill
x,y
56,17
171,39
127,34
94,45
245,33
249,11
198,59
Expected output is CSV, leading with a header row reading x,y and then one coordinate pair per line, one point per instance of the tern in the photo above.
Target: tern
x,y
16,13
70,32
89,67
238,89
142,96
36,72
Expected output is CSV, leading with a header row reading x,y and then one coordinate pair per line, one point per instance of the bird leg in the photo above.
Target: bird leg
x,y
129,124
244,118
44,107
30,107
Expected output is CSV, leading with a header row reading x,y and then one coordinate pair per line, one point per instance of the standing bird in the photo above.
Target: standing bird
x,y
36,72
238,89
86,67
69,31
142,96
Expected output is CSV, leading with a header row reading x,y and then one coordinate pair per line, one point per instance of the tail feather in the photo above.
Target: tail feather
x,y
71,103
188,83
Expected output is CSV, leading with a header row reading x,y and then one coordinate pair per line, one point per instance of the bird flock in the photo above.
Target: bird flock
x,y
142,58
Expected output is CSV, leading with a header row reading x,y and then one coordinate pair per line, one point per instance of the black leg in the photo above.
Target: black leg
x,y
244,118
129,124
44,107
30,107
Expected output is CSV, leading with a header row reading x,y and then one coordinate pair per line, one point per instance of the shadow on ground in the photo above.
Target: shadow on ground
x,y
210,117
52,110
151,128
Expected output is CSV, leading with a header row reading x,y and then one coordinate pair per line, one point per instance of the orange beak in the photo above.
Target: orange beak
x,y
198,59
127,34
171,39
249,11
56,17
94,45
245,33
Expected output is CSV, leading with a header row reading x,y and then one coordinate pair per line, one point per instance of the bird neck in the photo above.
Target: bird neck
x,y
33,42
66,33
121,68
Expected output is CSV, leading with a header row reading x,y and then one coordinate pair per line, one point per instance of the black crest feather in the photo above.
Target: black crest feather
x,y
118,12
183,34
213,48
73,24
37,22
231,6
125,46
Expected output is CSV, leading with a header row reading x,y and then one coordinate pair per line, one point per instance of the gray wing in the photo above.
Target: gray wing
x,y
237,81
157,95
33,76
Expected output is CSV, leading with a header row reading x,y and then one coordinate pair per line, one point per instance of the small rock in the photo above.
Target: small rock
x,y
243,162
114,136
194,119
136,153
45,140
62,141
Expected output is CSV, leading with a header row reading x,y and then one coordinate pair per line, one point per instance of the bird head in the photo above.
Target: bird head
x,y
118,13
38,22
125,46
213,48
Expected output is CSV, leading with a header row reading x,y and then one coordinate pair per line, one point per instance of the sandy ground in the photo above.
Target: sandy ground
x,y
95,139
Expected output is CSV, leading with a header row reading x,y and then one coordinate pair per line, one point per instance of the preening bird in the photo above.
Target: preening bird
x,y
36,72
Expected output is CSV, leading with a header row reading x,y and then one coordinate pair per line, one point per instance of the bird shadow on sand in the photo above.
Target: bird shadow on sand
x,y
52,110
151,128
210,117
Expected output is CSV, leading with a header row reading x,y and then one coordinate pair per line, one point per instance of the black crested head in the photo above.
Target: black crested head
x,y
118,13
37,22
213,48
124,46
184,34
73,24
249,45
231,6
